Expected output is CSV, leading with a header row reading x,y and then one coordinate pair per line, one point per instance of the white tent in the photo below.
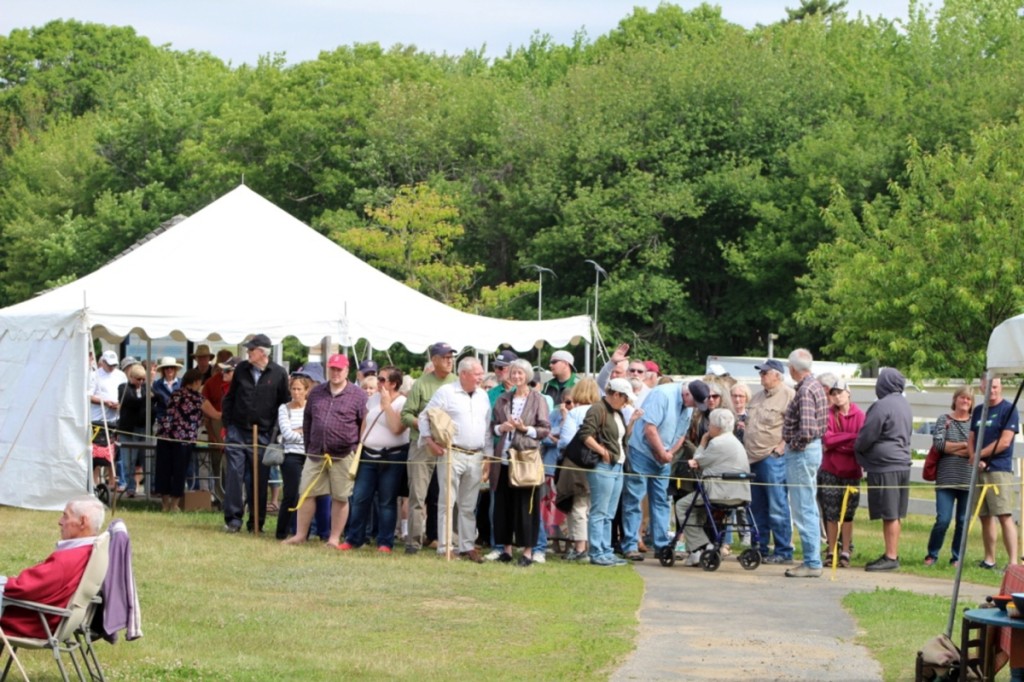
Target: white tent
x,y
1005,353
265,272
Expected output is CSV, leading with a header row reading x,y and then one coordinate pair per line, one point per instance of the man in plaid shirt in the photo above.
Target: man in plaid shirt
x,y
802,430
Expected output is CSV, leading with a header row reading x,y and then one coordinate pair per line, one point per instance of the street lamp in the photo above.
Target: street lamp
x,y
598,273
540,287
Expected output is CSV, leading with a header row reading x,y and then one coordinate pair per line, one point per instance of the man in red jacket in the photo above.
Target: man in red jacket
x,y
54,581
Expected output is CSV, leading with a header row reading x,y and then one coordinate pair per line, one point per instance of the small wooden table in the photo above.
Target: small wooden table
x,y
996,618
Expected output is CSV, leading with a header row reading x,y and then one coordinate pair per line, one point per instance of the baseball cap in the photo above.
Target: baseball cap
x,y
368,367
258,341
564,356
652,366
771,363
338,360
441,348
229,364
505,358
621,386
699,391
109,357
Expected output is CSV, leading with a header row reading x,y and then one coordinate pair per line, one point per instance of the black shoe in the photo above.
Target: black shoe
x,y
987,566
505,558
883,563
634,556
524,561
232,527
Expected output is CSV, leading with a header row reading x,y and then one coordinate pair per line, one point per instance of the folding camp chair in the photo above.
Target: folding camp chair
x,y
76,615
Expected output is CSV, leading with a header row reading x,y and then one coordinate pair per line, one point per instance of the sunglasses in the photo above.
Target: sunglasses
x,y
636,371
567,402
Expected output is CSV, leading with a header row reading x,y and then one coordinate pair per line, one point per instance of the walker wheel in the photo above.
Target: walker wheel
x,y
710,559
750,559
667,556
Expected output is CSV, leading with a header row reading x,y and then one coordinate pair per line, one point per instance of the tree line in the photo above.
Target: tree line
x,y
852,184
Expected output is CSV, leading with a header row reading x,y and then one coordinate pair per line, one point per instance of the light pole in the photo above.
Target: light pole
x,y
598,273
540,286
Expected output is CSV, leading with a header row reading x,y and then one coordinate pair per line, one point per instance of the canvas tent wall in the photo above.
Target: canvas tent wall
x,y
268,272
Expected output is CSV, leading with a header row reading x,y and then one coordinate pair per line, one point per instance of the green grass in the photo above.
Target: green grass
x,y
222,607
895,624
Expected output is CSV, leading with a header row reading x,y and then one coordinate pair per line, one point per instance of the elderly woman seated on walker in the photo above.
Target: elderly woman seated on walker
x,y
720,452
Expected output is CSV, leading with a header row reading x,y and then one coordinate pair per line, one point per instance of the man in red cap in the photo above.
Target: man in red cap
x,y
331,425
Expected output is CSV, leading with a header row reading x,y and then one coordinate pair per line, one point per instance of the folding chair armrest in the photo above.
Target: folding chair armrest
x,y
36,606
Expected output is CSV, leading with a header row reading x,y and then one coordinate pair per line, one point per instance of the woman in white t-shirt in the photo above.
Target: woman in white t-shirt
x,y
289,423
385,452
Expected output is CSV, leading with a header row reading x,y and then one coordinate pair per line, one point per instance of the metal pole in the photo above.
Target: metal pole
x,y
540,294
971,496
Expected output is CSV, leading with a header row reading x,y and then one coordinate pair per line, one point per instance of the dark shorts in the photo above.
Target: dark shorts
x,y
831,490
888,495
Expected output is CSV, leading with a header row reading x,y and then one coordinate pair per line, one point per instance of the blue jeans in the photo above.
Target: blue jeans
x,y
944,500
653,482
605,488
381,476
802,481
770,506
130,457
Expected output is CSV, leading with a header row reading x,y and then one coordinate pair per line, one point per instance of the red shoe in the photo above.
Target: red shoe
x,y
383,549
345,547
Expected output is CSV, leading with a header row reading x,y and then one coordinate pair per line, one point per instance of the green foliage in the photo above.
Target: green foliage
x,y
920,280
725,178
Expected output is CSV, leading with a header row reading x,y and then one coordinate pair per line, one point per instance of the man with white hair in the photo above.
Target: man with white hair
x,y
719,452
55,580
470,409
259,385
103,397
803,428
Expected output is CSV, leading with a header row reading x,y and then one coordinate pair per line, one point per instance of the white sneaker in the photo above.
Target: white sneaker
x,y
693,559
538,558
492,555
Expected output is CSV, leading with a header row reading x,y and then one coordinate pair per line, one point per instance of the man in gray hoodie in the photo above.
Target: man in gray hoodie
x,y
883,450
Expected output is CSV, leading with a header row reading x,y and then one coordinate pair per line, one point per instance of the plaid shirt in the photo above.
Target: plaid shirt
x,y
332,424
807,415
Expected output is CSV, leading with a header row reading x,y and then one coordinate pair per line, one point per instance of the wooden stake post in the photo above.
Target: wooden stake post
x,y
255,480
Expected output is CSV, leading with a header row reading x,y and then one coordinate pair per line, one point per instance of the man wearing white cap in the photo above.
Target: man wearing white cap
x,y
103,399
563,368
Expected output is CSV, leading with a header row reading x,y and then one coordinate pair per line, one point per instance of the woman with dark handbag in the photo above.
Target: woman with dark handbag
x,y
605,430
573,486
953,475
520,421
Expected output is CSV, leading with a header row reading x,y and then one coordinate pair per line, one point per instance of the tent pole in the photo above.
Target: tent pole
x,y
586,357
971,496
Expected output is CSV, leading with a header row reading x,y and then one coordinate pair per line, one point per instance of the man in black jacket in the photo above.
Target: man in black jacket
x,y
258,387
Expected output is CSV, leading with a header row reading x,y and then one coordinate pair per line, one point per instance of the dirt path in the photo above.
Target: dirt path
x,y
758,625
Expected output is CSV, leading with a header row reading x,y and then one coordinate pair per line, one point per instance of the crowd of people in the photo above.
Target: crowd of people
x,y
438,462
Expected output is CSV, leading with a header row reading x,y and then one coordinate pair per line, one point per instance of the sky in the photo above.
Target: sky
x,y
240,31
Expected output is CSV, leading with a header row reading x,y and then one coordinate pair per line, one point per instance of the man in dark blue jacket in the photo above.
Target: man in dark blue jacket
x,y
258,387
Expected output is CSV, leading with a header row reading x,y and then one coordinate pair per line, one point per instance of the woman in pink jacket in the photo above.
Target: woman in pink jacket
x,y
839,469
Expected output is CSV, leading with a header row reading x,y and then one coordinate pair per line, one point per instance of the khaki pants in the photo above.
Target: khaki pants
x,y
421,468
